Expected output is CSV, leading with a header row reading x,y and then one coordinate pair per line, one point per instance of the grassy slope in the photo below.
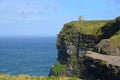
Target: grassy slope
x,y
89,27
27,77
115,40
94,28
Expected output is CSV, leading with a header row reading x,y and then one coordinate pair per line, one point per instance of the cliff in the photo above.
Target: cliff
x,y
103,67
77,38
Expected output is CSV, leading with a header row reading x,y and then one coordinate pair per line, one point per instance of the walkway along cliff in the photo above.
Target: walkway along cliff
x,y
89,50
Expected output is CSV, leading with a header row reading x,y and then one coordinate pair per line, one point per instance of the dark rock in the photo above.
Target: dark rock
x,y
72,47
100,66
105,47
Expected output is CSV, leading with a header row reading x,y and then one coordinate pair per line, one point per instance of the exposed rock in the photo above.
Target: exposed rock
x,y
109,59
104,67
71,52
105,47
74,41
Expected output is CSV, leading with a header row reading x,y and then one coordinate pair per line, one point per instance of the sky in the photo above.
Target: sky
x,y
47,17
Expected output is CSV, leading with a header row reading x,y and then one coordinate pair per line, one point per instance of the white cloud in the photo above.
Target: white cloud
x,y
27,9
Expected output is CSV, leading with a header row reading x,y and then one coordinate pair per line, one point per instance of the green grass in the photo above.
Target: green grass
x,y
59,68
89,27
28,77
73,59
115,39
93,28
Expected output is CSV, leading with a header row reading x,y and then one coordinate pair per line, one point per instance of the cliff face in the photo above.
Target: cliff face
x,y
106,47
76,38
103,67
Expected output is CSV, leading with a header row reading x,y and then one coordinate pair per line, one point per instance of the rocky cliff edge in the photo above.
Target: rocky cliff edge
x,y
86,49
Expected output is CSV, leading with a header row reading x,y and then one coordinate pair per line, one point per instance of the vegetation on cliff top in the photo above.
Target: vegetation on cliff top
x,y
97,28
27,77
113,29
115,39
88,27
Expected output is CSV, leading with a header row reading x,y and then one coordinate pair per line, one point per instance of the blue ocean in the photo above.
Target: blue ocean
x,y
27,55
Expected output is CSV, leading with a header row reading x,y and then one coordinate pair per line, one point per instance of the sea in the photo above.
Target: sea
x,y
27,55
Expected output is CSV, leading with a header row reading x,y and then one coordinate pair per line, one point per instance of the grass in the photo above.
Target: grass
x,y
89,27
93,27
59,67
73,59
28,77
115,39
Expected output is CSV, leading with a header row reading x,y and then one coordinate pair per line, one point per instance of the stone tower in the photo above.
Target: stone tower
x,y
80,18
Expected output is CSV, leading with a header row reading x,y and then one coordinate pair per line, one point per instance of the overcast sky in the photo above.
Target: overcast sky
x,y
47,17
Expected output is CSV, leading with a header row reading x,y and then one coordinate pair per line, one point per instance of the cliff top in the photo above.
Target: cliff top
x,y
105,29
91,27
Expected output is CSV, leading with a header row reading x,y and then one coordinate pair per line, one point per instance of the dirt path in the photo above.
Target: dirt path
x,y
113,60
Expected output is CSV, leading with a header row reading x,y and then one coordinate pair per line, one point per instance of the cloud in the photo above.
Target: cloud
x,y
27,9
52,7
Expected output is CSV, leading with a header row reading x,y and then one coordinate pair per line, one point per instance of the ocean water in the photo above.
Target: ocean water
x,y
27,55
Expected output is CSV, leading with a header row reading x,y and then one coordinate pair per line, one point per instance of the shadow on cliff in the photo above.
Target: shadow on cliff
x,y
111,28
